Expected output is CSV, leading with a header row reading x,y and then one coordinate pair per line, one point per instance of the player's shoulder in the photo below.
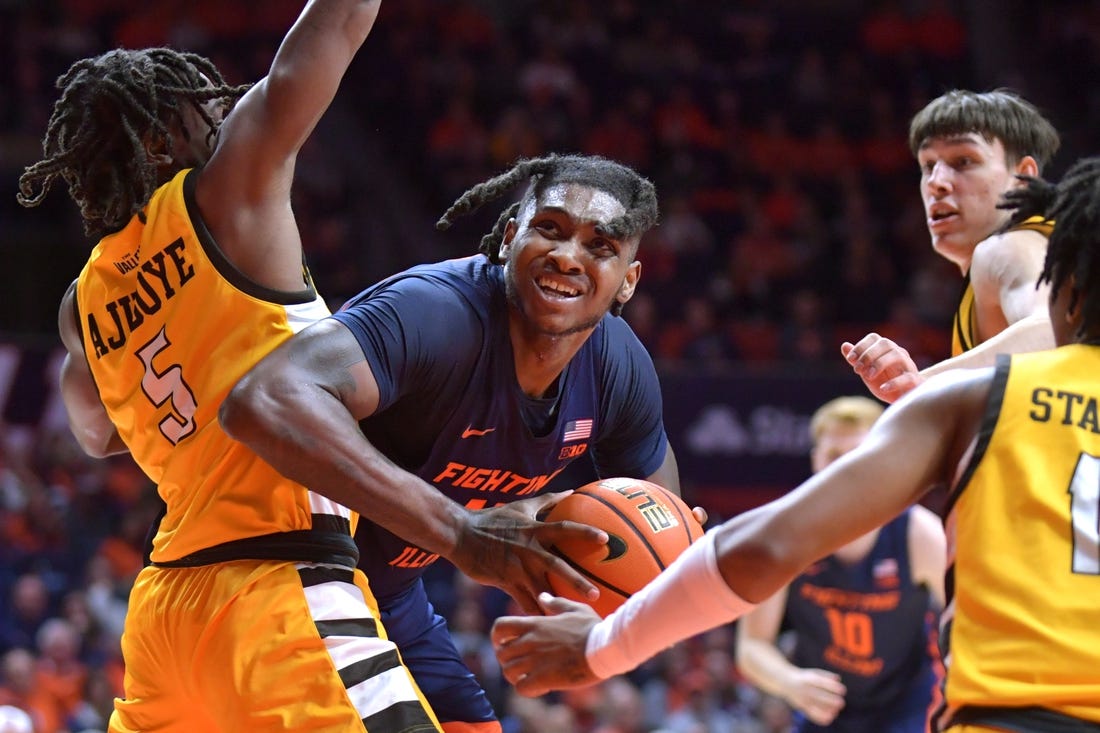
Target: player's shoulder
x,y
924,521
615,345
616,333
1009,242
1008,257
469,279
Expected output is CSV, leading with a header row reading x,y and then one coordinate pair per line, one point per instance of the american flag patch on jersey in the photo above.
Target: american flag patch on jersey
x,y
577,429
885,573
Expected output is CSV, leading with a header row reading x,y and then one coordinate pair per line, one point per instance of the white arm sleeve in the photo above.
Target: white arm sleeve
x,y
688,598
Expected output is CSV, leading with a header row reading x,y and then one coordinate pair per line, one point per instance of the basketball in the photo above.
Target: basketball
x,y
647,525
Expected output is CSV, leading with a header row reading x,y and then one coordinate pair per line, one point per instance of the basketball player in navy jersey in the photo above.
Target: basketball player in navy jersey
x,y
862,617
1019,446
483,378
972,147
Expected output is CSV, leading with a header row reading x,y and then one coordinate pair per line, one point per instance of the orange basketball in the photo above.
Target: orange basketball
x,y
647,525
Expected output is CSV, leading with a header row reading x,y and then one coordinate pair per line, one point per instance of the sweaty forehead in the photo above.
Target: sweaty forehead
x,y
582,203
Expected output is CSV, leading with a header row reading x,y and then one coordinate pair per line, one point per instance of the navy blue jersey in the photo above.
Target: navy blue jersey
x,y
870,624
451,411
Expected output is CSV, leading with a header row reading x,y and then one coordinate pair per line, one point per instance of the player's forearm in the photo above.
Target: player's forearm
x,y
764,666
654,618
309,65
1029,334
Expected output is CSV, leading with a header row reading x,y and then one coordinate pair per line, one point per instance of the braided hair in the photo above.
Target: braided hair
x,y
110,107
634,192
1074,246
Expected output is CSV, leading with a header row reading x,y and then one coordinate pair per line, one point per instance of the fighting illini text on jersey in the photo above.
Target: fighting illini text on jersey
x,y
1021,631
169,326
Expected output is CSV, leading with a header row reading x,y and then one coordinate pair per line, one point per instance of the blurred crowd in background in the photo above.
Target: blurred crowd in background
x,y
775,131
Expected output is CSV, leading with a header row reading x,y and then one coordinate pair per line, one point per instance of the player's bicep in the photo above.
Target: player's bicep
x,y
668,475
1005,274
313,371
1024,300
632,439
329,356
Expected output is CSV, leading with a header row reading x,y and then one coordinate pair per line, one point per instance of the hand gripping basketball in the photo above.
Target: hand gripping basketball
x,y
647,527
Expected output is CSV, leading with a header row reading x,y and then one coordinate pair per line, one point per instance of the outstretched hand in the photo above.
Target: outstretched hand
x,y
507,547
886,368
538,654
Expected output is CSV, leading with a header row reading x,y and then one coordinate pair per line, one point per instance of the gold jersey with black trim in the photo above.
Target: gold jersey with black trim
x,y
964,328
169,325
1021,630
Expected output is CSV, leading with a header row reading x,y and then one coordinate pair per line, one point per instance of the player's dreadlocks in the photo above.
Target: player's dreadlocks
x,y
1074,246
999,114
110,107
635,193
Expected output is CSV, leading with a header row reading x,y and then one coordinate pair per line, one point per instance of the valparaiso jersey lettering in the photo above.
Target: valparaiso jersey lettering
x,y
156,281
169,326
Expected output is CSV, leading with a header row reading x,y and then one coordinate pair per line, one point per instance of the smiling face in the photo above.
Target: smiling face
x,y
562,275
962,180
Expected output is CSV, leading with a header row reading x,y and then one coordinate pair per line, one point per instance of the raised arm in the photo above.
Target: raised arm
x,y
244,190
87,417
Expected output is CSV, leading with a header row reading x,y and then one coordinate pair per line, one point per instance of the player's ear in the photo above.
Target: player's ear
x,y
510,230
1027,166
156,149
630,282
1074,314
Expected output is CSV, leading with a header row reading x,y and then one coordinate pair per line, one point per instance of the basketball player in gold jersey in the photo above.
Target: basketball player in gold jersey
x,y
1018,444
252,615
971,148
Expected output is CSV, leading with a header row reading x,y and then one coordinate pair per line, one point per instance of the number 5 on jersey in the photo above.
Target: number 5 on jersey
x,y
168,386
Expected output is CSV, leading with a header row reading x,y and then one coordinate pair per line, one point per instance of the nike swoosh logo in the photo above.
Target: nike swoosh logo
x,y
616,548
469,432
